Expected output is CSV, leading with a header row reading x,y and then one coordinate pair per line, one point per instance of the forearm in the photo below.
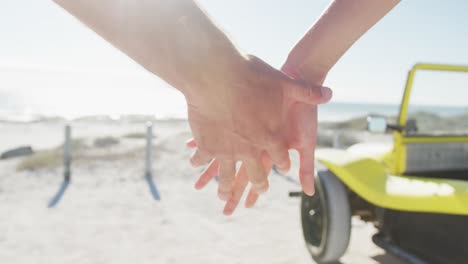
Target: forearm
x,y
172,38
342,24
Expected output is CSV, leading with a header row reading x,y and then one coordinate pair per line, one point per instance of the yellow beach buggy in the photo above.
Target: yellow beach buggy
x,y
415,192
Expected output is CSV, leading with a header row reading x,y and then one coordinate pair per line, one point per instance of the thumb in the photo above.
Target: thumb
x,y
301,92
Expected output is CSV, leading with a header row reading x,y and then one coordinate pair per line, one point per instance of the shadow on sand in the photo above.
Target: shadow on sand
x,y
58,196
152,187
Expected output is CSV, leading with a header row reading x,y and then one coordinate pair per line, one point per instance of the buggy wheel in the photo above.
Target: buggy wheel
x,y
326,219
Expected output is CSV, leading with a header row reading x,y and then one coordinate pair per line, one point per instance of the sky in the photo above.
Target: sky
x,y
50,61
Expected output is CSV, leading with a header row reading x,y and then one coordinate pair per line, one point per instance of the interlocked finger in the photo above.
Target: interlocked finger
x,y
306,170
257,175
252,198
207,175
227,172
200,158
239,186
280,157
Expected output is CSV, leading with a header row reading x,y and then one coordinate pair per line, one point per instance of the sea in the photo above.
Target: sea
x,y
331,112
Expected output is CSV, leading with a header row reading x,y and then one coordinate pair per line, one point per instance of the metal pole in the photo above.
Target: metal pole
x,y
149,144
337,140
67,156
148,165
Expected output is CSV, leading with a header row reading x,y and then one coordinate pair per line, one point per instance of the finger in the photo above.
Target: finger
x,y
306,170
307,94
200,158
191,143
240,184
252,198
257,175
227,171
267,163
207,175
280,157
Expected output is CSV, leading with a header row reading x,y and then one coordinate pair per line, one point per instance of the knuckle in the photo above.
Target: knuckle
x,y
272,139
224,188
258,181
262,187
245,156
207,151
224,181
223,195
283,164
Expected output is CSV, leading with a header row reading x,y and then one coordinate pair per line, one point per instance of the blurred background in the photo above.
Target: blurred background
x,y
51,64
54,71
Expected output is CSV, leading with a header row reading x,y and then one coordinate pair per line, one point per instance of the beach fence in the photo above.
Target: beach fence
x,y
67,158
67,162
149,165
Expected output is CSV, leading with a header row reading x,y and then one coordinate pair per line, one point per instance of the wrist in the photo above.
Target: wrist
x,y
213,75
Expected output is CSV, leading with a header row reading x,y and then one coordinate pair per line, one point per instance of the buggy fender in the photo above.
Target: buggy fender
x,y
369,179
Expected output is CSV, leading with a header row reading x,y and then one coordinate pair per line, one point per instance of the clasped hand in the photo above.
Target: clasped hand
x,y
253,117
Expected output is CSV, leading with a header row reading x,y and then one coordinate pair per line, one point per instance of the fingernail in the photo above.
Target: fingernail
x,y
261,188
326,93
228,209
249,203
227,213
224,196
198,185
310,192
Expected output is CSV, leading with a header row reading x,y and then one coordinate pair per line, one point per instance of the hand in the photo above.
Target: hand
x,y
238,187
299,133
302,125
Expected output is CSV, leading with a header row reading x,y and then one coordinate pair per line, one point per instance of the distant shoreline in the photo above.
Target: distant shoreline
x,y
89,118
334,112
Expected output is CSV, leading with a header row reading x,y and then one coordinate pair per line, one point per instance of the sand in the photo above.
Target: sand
x,y
108,215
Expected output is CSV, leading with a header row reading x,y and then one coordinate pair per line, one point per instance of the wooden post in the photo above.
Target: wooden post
x,y
148,165
67,155
337,140
149,145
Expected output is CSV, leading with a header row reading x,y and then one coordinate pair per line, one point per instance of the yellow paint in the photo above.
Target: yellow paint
x,y
410,80
369,179
399,155
379,180
400,140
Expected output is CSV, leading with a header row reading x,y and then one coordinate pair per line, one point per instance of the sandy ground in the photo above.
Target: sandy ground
x,y
107,215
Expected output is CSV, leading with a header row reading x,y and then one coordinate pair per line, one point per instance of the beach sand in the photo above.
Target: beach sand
x,y
107,214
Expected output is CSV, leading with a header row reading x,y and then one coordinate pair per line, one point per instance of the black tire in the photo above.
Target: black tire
x,y
326,219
